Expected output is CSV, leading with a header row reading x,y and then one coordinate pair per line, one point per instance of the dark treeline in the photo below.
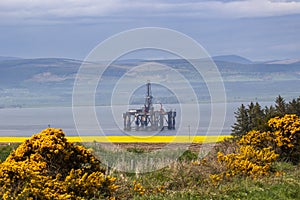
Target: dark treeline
x,y
254,117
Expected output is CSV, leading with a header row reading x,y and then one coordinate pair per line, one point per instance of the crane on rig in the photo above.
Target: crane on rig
x,y
147,118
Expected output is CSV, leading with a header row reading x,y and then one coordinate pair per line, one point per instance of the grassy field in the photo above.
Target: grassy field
x,y
184,181
130,139
188,179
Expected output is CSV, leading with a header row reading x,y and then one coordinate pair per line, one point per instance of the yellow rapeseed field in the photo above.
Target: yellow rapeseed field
x,y
131,139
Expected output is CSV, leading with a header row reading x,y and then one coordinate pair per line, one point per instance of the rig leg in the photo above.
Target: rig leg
x,y
173,119
161,120
170,120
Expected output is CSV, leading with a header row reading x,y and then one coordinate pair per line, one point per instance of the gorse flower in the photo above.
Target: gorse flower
x,y
258,150
286,131
137,187
248,161
48,167
215,178
284,137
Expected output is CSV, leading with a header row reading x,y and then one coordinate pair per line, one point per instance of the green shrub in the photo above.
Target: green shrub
x,y
5,150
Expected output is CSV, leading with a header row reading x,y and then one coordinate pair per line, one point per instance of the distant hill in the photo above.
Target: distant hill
x,y
50,81
19,72
232,59
2,58
286,61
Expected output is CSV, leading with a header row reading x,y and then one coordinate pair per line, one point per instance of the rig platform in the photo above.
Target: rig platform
x,y
148,119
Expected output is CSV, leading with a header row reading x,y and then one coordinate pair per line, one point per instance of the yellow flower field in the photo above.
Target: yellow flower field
x,y
131,139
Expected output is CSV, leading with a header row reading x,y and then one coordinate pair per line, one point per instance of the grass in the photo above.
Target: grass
x,y
182,181
188,178
240,189
6,149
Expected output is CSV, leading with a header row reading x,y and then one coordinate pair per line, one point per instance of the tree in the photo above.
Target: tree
x,y
250,118
280,106
256,116
293,107
241,126
269,112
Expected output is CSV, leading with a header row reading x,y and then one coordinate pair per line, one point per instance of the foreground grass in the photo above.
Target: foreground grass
x,y
180,183
267,188
188,178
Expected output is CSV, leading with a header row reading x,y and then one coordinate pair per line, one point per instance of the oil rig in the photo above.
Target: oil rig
x,y
148,119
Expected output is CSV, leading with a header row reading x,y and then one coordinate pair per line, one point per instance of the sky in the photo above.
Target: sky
x,y
256,29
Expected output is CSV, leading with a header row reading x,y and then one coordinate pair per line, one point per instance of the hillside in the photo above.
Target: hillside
x,y
232,59
49,81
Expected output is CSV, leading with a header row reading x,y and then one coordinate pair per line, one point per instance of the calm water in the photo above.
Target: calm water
x,y
26,121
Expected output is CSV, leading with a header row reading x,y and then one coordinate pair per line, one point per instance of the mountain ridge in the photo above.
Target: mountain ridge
x,y
3,58
47,81
232,58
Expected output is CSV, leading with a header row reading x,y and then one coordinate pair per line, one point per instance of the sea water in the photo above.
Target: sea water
x,y
27,121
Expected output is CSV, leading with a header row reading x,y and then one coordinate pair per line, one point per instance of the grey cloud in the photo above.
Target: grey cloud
x,y
64,10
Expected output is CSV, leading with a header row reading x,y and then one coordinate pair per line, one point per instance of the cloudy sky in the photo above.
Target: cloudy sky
x,y
256,29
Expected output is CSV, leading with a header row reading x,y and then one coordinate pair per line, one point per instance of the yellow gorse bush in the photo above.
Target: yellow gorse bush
x,y
286,131
257,139
284,137
48,167
258,150
248,161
